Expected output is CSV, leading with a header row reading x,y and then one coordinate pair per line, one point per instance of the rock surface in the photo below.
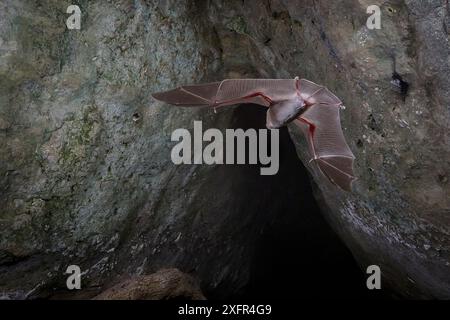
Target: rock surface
x,y
398,216
85,170
165,284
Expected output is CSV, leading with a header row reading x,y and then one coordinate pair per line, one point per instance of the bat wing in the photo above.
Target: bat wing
x,y
321,125
264,92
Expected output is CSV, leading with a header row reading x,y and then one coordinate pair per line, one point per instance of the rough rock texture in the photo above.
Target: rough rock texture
x,y
85,154
85,170
165,284
399,215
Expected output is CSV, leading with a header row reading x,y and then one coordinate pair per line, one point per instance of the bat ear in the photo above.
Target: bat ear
x,y
270,123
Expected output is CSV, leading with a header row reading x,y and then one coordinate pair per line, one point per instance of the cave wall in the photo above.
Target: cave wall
x,y
83,182
398,215
78,173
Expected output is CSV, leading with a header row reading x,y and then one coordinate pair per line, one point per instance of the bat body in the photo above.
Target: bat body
x,y
311,107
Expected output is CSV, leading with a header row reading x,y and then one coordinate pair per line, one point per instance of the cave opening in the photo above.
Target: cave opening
x,y
296,254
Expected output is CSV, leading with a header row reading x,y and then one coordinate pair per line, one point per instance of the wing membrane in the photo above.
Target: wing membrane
x,y
231,91
321,125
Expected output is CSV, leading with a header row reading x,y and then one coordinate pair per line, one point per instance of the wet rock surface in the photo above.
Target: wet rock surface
x,y
85,170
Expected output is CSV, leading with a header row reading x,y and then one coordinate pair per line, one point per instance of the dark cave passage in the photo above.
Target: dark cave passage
x,y
296,254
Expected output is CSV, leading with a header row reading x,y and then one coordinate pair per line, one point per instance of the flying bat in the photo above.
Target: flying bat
x,y
311,107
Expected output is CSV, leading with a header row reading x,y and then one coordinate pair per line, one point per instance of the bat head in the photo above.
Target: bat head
x,y
283,112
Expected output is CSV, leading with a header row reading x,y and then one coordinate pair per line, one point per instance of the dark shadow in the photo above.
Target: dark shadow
x,y
297,254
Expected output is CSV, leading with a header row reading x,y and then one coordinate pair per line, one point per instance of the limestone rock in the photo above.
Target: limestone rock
x,y
165,284
82,182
